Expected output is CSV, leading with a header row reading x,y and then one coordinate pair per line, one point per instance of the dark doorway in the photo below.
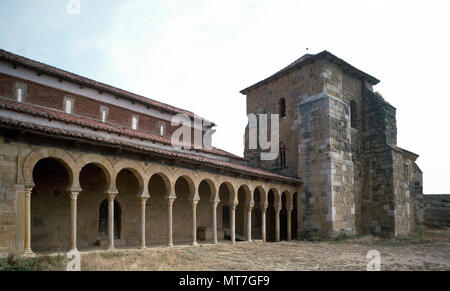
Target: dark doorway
x,y
103,222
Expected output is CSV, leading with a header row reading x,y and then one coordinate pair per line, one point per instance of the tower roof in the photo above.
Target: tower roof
x,y
309,58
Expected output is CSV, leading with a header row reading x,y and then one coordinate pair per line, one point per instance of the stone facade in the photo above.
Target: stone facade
x,y
341,140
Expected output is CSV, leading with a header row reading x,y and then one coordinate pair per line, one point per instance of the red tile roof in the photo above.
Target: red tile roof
x,y
98,125
64,75
112,129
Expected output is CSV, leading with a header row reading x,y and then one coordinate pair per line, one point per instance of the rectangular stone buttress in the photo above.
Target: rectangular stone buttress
x,y
325,164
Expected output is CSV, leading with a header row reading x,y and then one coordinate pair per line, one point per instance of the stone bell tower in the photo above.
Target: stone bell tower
x,y
339,137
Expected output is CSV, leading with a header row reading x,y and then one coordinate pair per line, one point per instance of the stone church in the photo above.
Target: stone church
x,y
85,165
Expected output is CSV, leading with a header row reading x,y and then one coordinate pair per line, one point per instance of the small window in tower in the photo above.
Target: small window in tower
x,y
104,113
134,122
353,114
68,106
282,155
19,94
282,108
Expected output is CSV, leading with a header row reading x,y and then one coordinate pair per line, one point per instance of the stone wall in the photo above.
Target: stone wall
x,y
9,191
437,210
382,202
325,164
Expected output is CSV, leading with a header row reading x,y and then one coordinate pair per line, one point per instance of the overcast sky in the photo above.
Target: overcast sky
x,y
198,55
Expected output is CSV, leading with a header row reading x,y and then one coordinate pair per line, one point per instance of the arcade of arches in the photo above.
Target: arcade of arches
x,y
91,201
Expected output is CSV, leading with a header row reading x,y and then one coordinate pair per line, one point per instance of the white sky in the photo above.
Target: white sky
x,y
198,55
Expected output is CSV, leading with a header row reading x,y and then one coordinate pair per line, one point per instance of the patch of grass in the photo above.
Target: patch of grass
x,y
47,263
112,255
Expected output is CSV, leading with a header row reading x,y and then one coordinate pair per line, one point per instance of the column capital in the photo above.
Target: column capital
x,y
111,195
214,203
28,190
170,201
278,210
73,194
194,202
171,197
143,200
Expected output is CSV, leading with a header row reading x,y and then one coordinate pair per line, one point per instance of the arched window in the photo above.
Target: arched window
x,y
282,108
282,155
354,114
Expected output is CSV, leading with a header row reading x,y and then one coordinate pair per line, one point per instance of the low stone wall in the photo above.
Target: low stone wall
x,y
437,210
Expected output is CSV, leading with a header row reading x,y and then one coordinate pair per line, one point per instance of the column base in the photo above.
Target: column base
x,y
111,248
29,253
195,244
143,248
170,245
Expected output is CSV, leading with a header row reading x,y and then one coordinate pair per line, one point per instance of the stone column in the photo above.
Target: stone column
x,y
170,225
277,223
73,219
233,223
289,224
27,243
263,224
111,198
249,223
214,217
143,202
194,222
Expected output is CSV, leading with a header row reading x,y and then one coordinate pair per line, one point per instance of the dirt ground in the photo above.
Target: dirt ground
x,y
429,250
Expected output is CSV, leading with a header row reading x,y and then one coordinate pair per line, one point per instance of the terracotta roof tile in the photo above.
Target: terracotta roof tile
x,y
98,125
195,158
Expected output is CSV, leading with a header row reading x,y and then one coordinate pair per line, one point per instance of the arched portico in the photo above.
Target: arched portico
x,y
174,203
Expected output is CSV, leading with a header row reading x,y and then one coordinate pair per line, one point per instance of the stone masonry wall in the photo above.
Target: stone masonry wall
x,y
9,191
325,164
380,202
